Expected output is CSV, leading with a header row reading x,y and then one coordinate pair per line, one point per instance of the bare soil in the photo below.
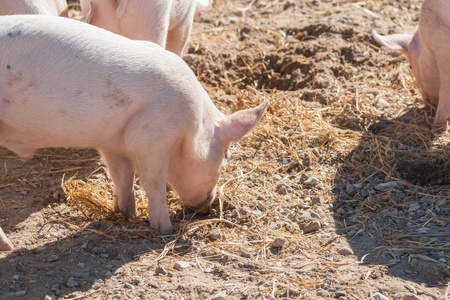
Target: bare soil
x,y
358,192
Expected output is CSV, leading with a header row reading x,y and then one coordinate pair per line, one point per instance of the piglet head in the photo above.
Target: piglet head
x,y
420,62
195,174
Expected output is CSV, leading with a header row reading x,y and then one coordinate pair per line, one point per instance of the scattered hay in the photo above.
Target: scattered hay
x,y
345,140
339,139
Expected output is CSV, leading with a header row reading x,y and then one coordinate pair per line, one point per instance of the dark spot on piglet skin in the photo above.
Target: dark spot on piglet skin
x,y
8,67
14,33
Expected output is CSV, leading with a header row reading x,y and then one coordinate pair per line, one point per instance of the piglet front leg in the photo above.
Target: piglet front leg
x,y
152,165
5,244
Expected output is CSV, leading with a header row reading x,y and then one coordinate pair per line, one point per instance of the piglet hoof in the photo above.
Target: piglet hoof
x,y
160,223
439,127
128,211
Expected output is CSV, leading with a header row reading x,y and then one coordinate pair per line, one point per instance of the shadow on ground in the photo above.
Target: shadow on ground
x,y
392,198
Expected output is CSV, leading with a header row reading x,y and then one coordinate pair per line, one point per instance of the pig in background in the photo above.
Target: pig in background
x,y
140,106
34,7
165,22
428,52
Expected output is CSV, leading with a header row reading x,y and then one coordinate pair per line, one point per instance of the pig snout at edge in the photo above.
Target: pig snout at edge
x,y
428,51
5,244
140,106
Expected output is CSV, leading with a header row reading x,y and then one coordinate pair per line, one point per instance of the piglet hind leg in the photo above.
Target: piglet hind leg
x,y
122,173
5,244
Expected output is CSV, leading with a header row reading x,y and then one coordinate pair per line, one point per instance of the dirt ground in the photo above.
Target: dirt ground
x,y
344,171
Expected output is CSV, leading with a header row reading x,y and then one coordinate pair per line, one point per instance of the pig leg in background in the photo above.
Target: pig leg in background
x,y
177,37
156,27
122,174
5,244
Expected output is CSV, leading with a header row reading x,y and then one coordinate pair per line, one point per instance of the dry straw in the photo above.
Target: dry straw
x,y
261,191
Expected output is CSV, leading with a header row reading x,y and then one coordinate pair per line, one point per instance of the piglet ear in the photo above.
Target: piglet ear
x,y
397,42
235,126
120,8
88,17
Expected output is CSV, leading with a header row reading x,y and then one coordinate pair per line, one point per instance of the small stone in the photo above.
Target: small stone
x,y
164,296
312,226
71,282
282,190
53,258
411,296
286,161
380,103
244,254
414,207
181,265
128,286
55,288
337,190
51,273
97,284
81,265
16,277
350,188
345,251
20,293
379,296
243,211
306,215
423,230
137,279
341,294
340,211
311,181
39,249
159,270
322,293
220,296
381,187
316,200
214,234
111,285
278,242
256,213
261,206
315,215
